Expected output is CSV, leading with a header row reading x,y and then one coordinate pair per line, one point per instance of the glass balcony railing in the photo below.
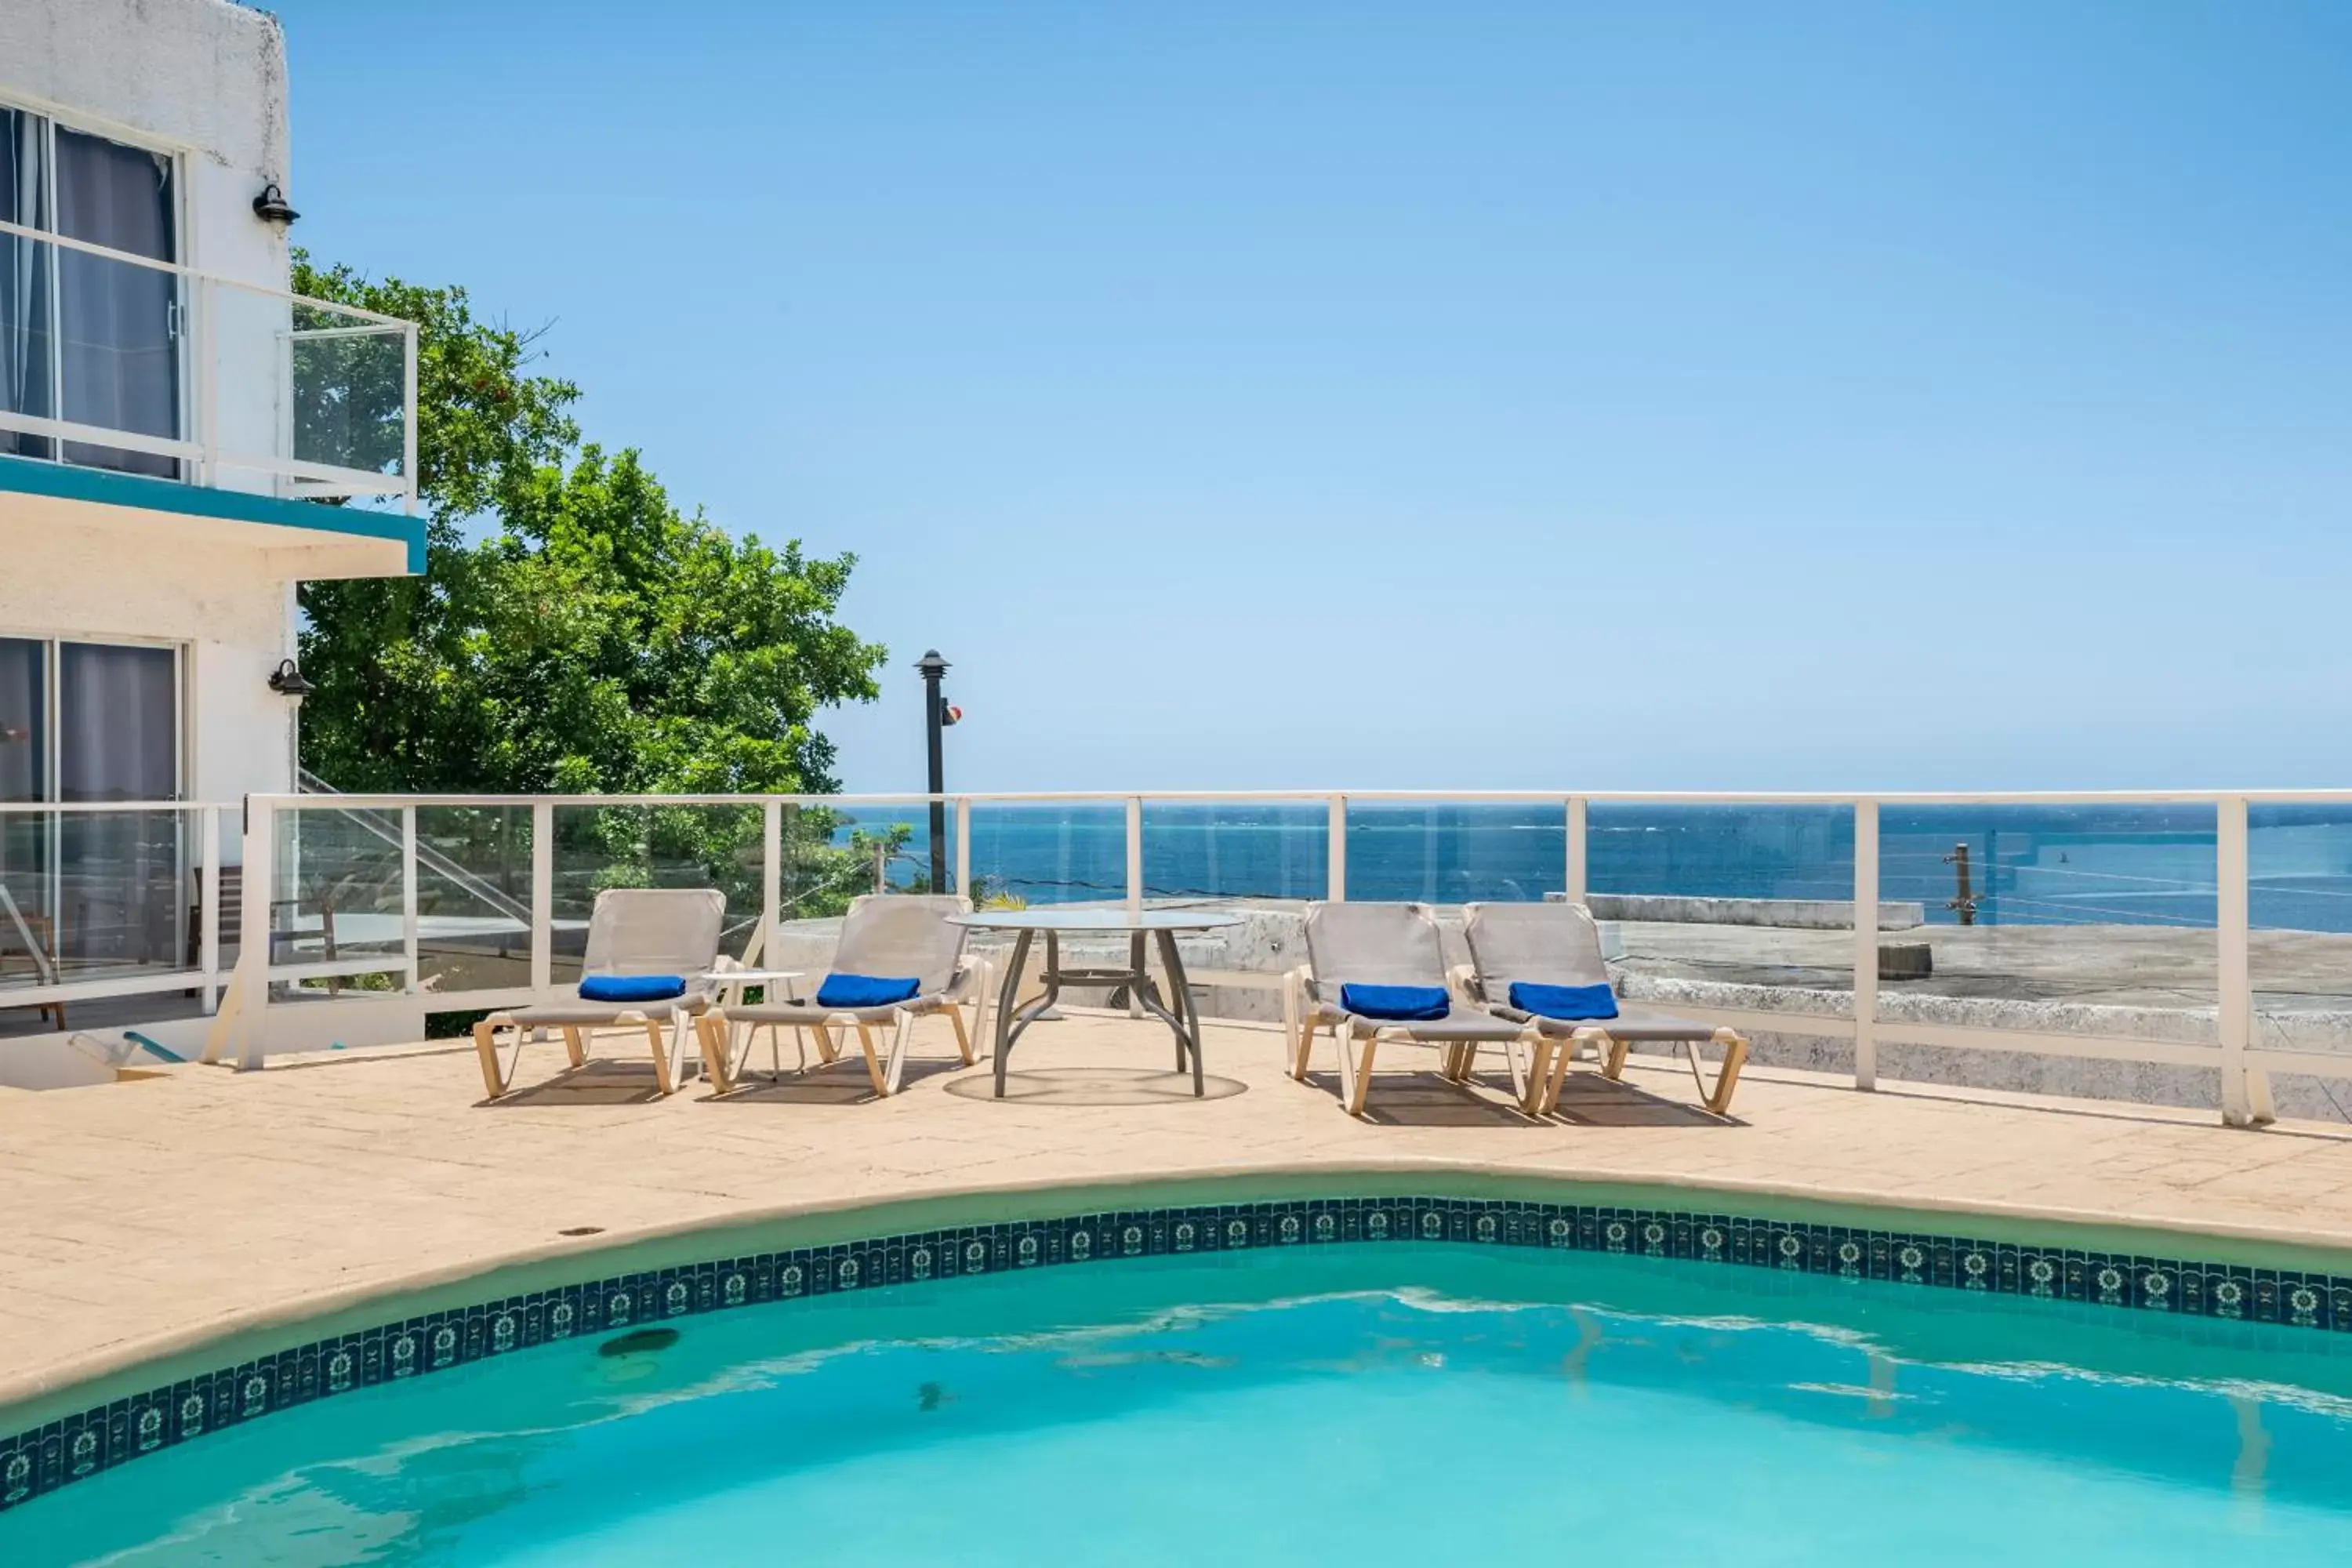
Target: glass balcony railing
x,y
120,362
2199,936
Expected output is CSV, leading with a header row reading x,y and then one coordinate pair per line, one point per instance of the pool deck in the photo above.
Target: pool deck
x,y
144,1217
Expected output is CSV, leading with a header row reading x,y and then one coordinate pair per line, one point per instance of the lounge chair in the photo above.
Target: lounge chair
x,y
1553,944
1352,948
904,937
634,933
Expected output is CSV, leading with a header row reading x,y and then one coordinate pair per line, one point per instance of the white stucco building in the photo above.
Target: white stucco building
x,y
170,419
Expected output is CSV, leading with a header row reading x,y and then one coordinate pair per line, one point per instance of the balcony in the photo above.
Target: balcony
x,y
133,384
2179,948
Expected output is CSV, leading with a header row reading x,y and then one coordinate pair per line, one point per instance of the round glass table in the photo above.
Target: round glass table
x,y
1179,1012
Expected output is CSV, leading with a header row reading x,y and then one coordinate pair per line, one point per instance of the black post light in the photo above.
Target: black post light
x,y
938,714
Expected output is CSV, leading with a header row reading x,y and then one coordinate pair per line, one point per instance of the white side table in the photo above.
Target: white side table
x,y
729,985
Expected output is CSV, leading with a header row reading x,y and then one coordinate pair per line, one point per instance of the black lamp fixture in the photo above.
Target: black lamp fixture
x,y
270,207
288,682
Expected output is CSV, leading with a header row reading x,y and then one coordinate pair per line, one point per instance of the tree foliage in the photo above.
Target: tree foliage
x,y
573,631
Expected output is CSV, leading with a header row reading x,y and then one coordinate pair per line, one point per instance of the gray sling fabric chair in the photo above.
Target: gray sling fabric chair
x,y
632,932
884,935
1558,944
1391,945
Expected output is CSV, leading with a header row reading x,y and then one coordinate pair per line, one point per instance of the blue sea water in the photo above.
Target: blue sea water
x,y
2027,865
1422,1407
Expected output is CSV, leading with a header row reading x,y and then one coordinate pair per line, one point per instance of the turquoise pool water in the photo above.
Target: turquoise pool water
x,y
1402,1404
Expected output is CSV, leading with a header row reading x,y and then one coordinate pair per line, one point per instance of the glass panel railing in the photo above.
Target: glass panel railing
x,y
1051,853
2056,919
472,898
1739,905
1228,854
2299,905
96,895
335,897
112,334
835,853
1264,860
347,390
143,367
604,847
1441,853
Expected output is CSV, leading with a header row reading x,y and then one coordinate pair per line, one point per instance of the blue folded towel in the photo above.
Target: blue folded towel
x,y
631,987
865,991
1409,1004
1572,1002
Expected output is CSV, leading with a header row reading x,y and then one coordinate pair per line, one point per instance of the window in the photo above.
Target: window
x,y
90,723
87,339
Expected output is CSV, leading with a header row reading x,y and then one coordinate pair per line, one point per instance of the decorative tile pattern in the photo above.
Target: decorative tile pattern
x,y
41,1460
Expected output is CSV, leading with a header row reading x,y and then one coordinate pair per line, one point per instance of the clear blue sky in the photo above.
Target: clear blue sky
x,y
1394,396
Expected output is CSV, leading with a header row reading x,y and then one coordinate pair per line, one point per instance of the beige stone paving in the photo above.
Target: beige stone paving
x,y
146,1216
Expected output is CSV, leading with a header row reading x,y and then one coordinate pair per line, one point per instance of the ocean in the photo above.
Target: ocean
x,y
2027,865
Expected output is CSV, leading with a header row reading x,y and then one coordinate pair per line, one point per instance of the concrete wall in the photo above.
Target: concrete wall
x,y
204,79
204,76
223,602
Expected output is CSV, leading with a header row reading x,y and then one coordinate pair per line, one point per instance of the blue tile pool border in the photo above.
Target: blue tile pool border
x,y
38,1461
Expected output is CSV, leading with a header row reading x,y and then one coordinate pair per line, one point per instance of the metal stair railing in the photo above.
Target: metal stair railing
x,y
386,828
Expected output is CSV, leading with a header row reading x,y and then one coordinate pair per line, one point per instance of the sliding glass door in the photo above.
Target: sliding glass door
x,y
84,338
27,943
82,891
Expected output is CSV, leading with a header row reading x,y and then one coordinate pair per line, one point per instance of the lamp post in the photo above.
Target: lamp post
x,y
938,714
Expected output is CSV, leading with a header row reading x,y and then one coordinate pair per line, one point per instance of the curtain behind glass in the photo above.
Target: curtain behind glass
x,y
119,722
121,358
24,723
24,837
121,893
24,345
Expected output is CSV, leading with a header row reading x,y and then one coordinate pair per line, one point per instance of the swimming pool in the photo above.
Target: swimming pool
x,y
1407,1402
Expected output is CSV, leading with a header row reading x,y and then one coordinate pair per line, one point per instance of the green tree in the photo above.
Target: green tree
x,y
573,631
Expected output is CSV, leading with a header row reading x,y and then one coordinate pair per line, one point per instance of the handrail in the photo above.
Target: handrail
x,y
180,269
242,378
1863,1018
1426,796
371,821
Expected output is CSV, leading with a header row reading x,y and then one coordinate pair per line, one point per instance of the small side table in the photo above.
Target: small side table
x,y
728,987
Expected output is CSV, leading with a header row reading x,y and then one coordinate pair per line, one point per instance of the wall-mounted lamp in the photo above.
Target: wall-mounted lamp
x,y
270,207
288,682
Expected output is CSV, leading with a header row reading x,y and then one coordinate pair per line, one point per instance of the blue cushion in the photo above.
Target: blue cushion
x,y
1408,1003
1572,1002
631,987
865,991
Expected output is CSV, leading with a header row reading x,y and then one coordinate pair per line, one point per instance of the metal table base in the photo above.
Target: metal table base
x,y
1183,1020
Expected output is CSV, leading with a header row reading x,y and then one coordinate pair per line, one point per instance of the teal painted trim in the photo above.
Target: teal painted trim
x,y
162,1052
30,476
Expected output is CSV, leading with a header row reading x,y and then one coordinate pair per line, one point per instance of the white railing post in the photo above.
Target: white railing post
x,y
408,440
2234,969
208,932
1135,852
543,901
408,945
1335,857
963,847
204,344
1579,850
1866,944
771,882
253,957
